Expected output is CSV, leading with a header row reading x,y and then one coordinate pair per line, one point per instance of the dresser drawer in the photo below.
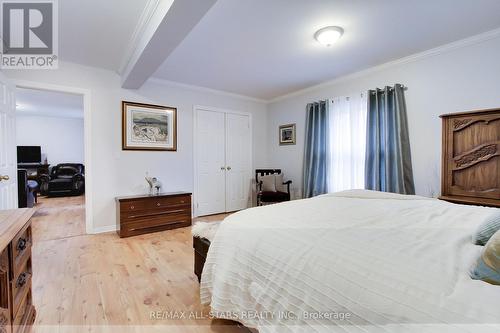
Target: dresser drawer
x,y
153,225
20,286
170,202
153,203
133,206
4,292
20,250
159,220
20,319
153,213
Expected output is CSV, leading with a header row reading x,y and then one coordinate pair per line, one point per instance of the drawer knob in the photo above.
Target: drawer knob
x,y
182,201
21,280
132,207
158,204
21,244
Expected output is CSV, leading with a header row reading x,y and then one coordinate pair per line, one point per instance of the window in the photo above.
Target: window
x,y
347,122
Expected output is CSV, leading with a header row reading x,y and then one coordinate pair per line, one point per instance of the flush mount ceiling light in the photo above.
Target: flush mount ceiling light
x,y
328,35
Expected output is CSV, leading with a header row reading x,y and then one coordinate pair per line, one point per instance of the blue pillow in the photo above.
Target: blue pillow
x,y
487,229
487,267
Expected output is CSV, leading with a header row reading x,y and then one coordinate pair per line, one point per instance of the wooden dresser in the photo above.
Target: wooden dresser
x,y
471,158
143,214
17,312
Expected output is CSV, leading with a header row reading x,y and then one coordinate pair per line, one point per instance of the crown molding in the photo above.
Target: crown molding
x,y
204,89
476,39
140,28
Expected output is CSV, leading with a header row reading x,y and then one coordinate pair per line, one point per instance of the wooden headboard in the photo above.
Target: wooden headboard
x,y
471,158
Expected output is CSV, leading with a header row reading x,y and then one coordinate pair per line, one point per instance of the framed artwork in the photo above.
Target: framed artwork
x,y
148,127
287,134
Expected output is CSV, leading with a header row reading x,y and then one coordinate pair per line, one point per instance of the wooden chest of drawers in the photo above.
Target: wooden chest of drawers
x,y
17,312
137,215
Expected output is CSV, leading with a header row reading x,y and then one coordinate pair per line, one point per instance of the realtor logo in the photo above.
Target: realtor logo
x,y
29,34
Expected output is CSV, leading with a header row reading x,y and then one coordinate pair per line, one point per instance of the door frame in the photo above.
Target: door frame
x,y
195,147
11,184
87,136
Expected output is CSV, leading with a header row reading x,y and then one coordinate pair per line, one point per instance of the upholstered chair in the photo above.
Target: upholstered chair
x,y
271,188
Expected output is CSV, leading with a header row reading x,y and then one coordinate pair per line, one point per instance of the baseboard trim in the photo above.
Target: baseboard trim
x,y
101,230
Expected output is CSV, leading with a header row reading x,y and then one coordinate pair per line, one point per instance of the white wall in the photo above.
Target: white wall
x,y
116,172
61,139
461,79
465,78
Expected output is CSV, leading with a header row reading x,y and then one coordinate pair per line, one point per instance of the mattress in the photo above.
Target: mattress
x,y
353,261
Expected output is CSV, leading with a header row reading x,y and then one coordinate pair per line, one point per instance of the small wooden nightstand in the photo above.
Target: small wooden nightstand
x,y
144,214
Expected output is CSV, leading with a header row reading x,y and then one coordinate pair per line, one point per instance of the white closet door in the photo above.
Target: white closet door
x,y
238,161
8,158
210,173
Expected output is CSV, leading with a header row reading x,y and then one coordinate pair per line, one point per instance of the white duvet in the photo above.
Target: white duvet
x,y
354,261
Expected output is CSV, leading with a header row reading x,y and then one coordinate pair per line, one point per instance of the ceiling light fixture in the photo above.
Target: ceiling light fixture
x,y
328,35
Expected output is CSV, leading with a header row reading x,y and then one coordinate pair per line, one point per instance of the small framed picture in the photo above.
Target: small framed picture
x,y
287,134
148,127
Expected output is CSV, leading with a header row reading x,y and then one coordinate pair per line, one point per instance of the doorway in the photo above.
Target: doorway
x,y
51,159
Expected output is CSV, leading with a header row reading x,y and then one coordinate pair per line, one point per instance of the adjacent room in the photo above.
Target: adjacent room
x,y
50,157
250,166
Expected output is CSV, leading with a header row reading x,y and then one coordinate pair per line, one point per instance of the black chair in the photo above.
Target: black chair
x,y
26,190
264,197
65,179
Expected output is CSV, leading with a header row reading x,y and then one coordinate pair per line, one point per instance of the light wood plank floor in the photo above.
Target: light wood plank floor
x,y
59,218
101,283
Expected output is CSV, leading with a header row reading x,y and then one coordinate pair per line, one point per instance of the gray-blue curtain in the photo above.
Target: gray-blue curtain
x,y
388,165
316,149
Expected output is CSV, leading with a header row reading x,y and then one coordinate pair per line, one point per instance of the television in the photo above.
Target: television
x,y
29,154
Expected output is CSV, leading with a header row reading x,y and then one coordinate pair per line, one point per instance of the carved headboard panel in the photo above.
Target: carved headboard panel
x,y
471,157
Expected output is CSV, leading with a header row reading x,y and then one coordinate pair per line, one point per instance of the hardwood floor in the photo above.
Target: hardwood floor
x,y
101,283
59,218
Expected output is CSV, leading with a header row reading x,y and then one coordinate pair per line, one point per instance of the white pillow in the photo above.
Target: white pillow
x,y
279,183
268,183
487,229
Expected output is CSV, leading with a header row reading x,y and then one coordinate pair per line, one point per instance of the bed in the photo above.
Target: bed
x,y
353,261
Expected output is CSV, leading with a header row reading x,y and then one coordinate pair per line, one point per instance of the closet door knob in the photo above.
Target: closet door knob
x,y
6,177
228,168
222,168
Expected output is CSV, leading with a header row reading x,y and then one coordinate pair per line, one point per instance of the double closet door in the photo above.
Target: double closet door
x,y
223,161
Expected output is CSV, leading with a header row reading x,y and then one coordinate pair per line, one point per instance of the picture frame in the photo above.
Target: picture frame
x,y
287,134
148,127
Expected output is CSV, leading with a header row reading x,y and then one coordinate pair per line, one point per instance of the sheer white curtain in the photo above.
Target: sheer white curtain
x,y
346,169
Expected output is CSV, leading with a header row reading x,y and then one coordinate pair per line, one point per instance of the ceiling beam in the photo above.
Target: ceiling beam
x,y
163,26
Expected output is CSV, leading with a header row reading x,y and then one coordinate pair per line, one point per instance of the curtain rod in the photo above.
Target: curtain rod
x,y
373,92
392,88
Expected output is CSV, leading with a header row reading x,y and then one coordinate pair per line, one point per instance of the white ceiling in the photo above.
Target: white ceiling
x,y
265,48
32,102
97,32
